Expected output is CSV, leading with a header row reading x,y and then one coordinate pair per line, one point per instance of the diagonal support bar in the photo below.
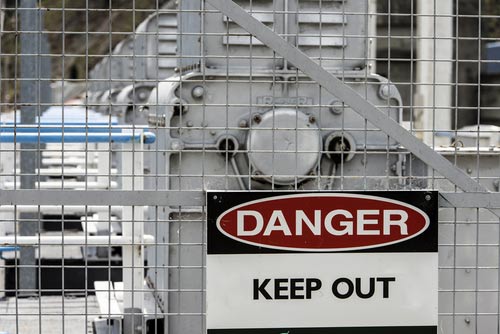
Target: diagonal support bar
x,y
347,95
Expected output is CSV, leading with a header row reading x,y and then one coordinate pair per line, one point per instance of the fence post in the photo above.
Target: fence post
x,y
29,97
133,230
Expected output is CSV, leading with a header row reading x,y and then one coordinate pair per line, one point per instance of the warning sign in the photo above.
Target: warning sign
x,y
316,262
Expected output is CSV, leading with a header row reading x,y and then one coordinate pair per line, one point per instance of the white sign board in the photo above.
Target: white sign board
x,y
322,263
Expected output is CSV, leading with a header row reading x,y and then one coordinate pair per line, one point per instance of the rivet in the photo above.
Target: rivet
x,y
198,92
336,107
385,91
142,95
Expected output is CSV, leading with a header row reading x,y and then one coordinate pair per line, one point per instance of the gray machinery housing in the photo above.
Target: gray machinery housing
x,y
336,38
240,117
122,82
125,78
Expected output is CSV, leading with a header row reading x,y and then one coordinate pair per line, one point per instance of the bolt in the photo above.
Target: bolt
x,y
142,95
257,118
189,124
198,92
312,119
469,170
385,91
496,184
467,320
428,197
394,168
243,123
213,132
204,124
336,107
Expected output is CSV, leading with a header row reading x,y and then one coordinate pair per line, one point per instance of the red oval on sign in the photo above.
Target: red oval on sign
x,y
323,222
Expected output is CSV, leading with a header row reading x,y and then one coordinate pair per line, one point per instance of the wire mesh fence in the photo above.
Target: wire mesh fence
x,y
118,116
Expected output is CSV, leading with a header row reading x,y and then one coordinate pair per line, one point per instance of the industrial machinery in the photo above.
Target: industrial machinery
x,y
229,113
124,80
240,117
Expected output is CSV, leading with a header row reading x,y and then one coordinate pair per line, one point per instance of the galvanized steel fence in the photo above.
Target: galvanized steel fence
x,y
118,116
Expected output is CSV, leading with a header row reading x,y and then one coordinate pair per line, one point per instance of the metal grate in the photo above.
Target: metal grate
x,y
117,117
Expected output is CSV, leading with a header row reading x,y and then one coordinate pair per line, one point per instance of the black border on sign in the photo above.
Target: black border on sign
x,y
334,330
218,202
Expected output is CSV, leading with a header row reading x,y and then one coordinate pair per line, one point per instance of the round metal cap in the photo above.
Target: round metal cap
x,y
285,145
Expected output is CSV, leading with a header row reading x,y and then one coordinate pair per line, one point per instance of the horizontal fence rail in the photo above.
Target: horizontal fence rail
x,y
134,133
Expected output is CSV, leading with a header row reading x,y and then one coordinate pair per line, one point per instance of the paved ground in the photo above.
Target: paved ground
x,y
48,314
